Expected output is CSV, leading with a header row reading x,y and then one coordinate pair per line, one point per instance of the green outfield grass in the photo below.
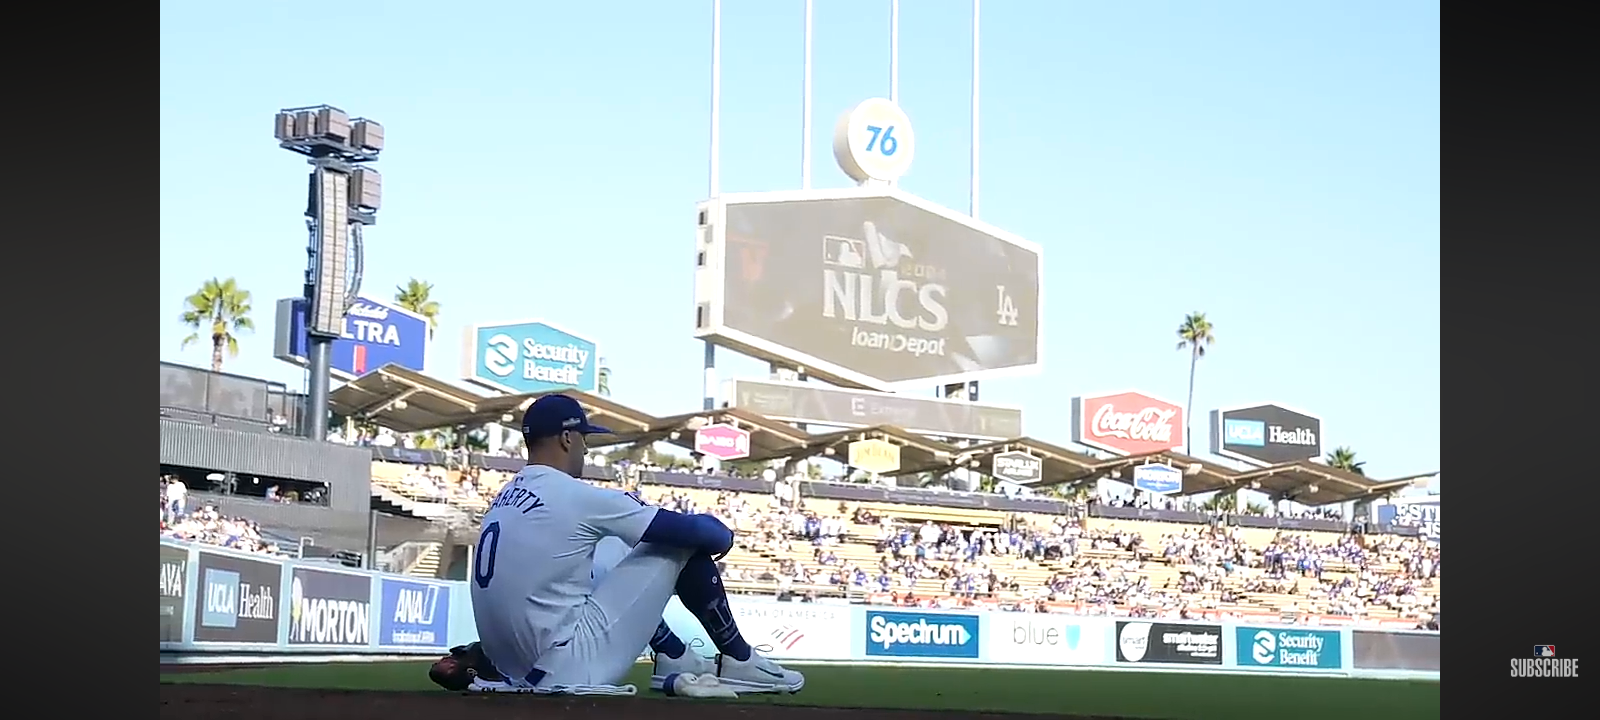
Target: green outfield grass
x,y
1169,696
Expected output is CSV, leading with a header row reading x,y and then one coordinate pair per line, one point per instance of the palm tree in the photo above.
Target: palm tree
x,y
414,296
1344,459
1194,335
603,379
219,310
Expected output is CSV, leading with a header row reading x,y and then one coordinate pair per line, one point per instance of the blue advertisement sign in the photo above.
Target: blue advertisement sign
x,y
922,635
1158,479
1288,647
415,614
1422,513
1244,432
375,334
530,356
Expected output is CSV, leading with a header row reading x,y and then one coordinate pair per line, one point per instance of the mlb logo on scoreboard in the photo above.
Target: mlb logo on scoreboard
x,y
1544,651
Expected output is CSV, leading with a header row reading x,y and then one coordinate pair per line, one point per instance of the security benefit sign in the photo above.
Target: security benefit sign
x,y
375,334
529,357
329,609
868,287
1046,639
1176,643
1016,466
795,631
928,636
238,600
174,574
1288,648
874,455
1265,434
415,614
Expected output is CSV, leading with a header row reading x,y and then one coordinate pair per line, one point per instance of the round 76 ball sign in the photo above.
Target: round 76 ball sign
x,y
874,141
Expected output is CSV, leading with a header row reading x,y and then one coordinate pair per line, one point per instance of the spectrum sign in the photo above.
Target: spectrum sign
x,y
530,356
375,334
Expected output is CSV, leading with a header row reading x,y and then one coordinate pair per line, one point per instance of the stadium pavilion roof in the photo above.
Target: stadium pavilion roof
x,y
409,401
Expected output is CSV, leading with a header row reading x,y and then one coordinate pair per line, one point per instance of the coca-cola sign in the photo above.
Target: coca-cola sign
x,y
1128,423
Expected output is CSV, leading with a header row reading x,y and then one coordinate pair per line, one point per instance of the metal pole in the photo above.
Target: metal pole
x,y
894,51
317,387
972,387
972,208
372,540
709,391
805,108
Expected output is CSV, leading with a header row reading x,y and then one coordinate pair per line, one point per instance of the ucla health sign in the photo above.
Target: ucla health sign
x,y
528,357
375,334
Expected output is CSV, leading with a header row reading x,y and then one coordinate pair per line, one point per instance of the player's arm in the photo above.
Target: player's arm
x,y
626,517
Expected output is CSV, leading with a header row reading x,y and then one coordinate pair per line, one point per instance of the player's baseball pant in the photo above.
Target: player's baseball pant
x,y
631,590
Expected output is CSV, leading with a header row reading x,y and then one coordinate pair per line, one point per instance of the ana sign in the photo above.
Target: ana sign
x,y
1158,479
1017,466
1127,423
722,441
1265,434
875,456
529,357
867,287
375,334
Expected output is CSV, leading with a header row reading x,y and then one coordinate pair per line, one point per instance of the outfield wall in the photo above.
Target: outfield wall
x,y
217,600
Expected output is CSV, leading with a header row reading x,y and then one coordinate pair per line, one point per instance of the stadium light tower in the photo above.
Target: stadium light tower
x,y
343,196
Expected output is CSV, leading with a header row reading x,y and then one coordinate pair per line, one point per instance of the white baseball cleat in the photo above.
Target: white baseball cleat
x,y
691,663
757,675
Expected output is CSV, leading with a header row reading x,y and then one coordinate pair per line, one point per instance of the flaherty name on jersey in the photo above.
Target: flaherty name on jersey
x,y
517,497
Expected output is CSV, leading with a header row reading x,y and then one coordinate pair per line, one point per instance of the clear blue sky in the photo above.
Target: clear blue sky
x,y
1274,164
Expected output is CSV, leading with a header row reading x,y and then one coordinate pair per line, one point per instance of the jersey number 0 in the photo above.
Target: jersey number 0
x,y
488,548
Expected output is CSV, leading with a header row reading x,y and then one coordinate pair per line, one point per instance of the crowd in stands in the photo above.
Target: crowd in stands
x,y
206,525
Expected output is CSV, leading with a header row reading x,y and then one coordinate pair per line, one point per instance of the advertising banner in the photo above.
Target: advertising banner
x,y
869,287
874,455
921,635
1288,647
1420,513
238,600
1395,650
796,631
722,441
1127,423
1265,434
328,608
529,356
416,614
1163,642
1016,466
375,334
1046,639
1158,479
174,576
816,404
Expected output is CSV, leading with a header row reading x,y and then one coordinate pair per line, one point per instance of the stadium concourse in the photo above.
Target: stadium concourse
x,y
811,538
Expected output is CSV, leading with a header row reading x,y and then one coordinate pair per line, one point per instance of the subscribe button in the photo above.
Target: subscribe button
x,y
1047,640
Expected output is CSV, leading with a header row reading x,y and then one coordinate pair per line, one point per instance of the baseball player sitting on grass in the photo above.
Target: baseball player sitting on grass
x,y
570,580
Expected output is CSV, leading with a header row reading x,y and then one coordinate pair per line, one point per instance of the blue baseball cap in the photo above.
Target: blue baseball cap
x,y
552,415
